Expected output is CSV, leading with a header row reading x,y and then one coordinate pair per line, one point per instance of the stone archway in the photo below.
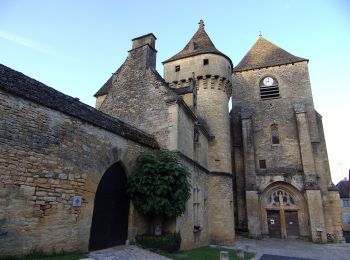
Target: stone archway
x,y
109,225
283,212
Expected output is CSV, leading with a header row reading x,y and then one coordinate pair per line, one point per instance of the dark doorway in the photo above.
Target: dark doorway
x,y
109,225
292,224
274,223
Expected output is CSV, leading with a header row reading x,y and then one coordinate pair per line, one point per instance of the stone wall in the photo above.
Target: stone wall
x,y
317,221
137,96
333,214
220,200
218,65
196,213
202,149
294,87
238,165
99,101
185,134
196,150
213,108
321,157
48,157
210,209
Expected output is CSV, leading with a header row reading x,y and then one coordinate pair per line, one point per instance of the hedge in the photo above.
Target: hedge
x,y
168,242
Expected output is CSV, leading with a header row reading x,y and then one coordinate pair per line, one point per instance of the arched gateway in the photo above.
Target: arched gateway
x,y
111,209
283,211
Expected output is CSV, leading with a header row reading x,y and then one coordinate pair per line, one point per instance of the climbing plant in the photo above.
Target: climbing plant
x,y
160,186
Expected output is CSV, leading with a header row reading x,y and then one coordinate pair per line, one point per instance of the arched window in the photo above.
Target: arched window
x,y
279,198
275,138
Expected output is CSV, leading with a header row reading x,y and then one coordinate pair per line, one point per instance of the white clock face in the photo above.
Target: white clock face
x,y
268,81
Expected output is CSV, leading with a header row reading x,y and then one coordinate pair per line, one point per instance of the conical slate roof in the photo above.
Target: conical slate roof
x,y
199,44
265,54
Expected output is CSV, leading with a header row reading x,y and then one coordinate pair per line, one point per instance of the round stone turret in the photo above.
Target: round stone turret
x,y
212,70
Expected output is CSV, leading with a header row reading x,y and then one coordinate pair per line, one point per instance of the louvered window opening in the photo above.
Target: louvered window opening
x,y
269,92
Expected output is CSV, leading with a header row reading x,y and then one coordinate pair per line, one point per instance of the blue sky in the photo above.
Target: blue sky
x,y
74,46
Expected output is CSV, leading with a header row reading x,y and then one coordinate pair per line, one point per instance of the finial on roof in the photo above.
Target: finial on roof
x,y
201,24
260,34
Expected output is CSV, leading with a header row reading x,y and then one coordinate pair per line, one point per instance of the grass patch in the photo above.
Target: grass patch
x,y
42,256
205,253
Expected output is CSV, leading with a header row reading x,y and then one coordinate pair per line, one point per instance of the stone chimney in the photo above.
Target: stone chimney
x,y
143,51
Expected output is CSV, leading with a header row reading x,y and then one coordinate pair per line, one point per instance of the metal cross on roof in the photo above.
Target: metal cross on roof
x,y
201,24
260,34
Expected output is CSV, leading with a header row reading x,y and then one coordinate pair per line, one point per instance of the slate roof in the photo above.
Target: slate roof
x,y
265,54
343,187
21,85
199,44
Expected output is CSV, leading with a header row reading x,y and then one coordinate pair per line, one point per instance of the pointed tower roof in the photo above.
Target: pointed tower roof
x,y
265,54
199,44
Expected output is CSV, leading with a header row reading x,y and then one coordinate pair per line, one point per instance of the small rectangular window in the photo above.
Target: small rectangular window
x,y
262,164
177,68
205,62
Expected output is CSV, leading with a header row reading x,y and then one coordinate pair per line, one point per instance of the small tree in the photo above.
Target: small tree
x,y
160,187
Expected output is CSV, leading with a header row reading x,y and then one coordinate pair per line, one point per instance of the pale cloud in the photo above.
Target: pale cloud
x,y
31,44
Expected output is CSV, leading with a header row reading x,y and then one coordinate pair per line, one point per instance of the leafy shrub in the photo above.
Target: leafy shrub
x,y
169,242
331,238
160,186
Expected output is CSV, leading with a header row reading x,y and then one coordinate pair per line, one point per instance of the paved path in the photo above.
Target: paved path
x,y
278,257
125,253
294,248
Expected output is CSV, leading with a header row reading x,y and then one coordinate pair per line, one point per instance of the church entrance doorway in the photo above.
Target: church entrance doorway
x,y
283,224
283,212
109,225
274,223
292,223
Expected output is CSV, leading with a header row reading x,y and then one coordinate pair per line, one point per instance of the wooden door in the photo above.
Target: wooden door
x,y
274,223
111,210
292,224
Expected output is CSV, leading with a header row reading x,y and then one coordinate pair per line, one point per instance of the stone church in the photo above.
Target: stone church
x,y
260,169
